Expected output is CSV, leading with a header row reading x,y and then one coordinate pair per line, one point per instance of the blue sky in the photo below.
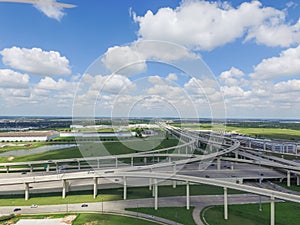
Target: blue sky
x,y
56,62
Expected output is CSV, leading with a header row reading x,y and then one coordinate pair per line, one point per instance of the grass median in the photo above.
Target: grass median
x,y
109,195
249,214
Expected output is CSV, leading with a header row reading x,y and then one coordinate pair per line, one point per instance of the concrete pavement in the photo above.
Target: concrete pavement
x,y
199,202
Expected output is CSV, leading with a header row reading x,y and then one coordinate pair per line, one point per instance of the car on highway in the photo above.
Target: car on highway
x,y
33,206
17,209
84,205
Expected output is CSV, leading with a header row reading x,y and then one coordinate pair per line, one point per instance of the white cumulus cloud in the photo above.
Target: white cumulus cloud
x,y
124,60
36,61
287,64
51,11
12,79
206,25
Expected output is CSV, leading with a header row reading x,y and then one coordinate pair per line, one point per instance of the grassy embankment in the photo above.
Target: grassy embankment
x,y
110,195
91,150
248,214
90,218
259,132
178,214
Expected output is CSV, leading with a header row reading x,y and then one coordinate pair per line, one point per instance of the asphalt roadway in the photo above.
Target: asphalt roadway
x,y
199,202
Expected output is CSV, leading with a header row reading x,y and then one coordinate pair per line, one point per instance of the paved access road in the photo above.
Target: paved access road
x,y
199,202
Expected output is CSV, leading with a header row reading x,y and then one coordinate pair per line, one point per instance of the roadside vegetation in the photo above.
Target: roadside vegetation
x,y
88,218
110,195
249,214
177,214
268,130
95,149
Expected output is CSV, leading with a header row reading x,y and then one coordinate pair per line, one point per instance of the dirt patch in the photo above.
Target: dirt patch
x,y
68,219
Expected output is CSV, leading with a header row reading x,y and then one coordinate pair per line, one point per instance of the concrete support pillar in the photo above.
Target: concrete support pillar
x,y
26,191
98,163
31,168
186,150
264,146
7,169
78,165
48,168
116,162
174,172
150,184
64,190
236,154
131,161
125,188
298,180
145,160
187,195
210,148
95,187
288,178
155,194
218,163
249,144
225,204
170,159
272,219
231,166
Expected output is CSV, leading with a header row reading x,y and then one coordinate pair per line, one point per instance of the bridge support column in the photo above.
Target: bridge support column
x,y
48,168
249,144
65,188
225,204
186,150
150,184
272,210
174,172
116,163
95,187
131,161
298,180
231,166
155,194
26,191
187,195
218,163
145,160
288,178
125,188
31,168
78,165
98,163
7,169
236,154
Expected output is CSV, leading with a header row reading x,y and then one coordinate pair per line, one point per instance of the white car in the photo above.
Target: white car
x,y
33,206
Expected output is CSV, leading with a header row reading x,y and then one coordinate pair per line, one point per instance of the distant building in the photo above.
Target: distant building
x,y
28,136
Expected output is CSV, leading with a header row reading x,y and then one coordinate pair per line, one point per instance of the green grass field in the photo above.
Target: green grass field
x,y
90,219
269,133
178,214
92,149
108,219
259,132
248,214
109,195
